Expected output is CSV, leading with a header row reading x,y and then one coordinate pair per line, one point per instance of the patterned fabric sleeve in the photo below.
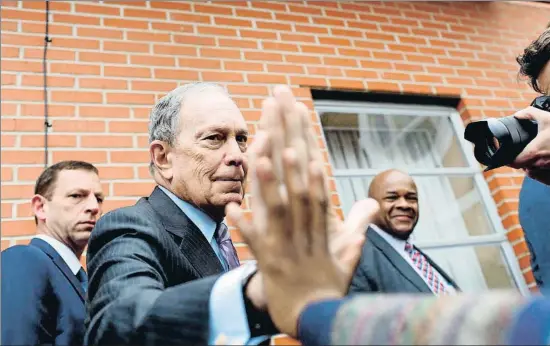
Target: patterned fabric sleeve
x,y
400,319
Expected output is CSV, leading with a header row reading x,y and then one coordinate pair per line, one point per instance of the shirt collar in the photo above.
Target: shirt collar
x,y
64,251
206,225
395,242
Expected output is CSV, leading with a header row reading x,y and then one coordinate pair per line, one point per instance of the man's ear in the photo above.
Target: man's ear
x,y
38,205
161,157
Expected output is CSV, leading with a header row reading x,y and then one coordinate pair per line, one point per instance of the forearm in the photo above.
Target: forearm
x,y
132,298
419,320
176,315
495,318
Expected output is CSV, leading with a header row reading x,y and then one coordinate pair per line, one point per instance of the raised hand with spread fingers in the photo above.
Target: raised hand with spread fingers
x,y
304,251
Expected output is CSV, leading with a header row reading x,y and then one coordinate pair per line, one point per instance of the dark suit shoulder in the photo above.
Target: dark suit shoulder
x,y
138,214
136,219
23,257
26,272
370,250
125,232
18,250
364,279
369,246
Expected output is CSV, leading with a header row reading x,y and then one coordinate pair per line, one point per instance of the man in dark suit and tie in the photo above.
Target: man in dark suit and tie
x,y
389,262
164,271
43,283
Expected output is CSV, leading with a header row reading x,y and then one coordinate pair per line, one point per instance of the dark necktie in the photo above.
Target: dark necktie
x,y
83,278
226,246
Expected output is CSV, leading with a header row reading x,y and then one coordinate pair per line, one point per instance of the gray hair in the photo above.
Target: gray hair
x,y
164,120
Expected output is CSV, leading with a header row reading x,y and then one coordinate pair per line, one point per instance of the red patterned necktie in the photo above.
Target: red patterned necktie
x,y
226,246
430,274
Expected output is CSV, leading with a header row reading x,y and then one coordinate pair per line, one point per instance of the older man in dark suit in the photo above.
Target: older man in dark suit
x,y
161,271
390,263
43,283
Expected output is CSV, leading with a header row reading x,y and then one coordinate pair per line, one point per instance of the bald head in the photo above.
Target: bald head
x,y
379,182
397,195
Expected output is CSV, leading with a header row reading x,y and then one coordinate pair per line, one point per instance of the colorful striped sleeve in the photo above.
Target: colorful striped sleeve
x,y
403,319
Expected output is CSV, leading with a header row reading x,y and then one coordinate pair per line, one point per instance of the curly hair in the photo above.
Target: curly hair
x,y
534,58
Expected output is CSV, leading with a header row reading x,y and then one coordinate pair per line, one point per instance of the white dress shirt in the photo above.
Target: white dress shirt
x,y
64,251
399,246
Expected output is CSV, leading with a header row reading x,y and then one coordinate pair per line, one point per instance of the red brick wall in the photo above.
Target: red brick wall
x,y
109,63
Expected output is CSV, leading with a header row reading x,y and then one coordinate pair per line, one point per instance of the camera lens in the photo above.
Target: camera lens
x,y
498,141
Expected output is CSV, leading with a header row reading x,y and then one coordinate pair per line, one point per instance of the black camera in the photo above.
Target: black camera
x,y
497,142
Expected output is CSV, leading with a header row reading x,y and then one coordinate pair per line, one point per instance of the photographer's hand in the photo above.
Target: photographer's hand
x,y
535,158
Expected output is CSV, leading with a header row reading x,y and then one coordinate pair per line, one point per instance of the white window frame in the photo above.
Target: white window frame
x,y
473,170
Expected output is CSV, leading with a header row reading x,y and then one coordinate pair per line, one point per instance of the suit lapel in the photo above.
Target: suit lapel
x,y
60,263
439,269
397,260
193,244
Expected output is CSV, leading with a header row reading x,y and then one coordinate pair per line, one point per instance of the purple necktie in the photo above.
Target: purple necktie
x,y
226,246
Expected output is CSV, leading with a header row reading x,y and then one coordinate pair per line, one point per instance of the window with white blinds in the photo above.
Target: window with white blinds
x,y
459,225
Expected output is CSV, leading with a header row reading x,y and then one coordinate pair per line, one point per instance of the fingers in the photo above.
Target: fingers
x,y
319,208
362,214
300,142
532,113
292,113
270,122
269,188
260,145
291,118
315,153
530,154
534,155
247,229
273,208
524,114
298,199
313,146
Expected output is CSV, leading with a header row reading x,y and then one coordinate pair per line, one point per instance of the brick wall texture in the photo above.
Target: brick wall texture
x,y
109,62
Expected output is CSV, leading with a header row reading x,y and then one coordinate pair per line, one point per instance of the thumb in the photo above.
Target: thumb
x,y
360,216
362,213
525,114
350,257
